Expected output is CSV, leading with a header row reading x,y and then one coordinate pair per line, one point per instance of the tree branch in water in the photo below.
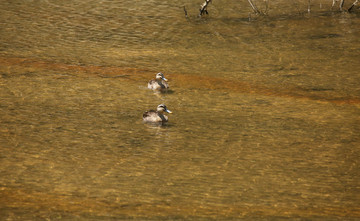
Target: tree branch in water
x,y
253,6
341,4
333,4
186,14
353,4
203,9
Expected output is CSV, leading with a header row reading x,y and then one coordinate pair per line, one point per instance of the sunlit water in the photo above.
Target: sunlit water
x,y
265,121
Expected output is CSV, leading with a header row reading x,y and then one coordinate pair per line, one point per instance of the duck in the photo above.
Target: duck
x,y
157,116
159,83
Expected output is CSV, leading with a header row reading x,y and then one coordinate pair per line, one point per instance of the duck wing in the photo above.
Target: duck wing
x,y
153,84
148,113
164,85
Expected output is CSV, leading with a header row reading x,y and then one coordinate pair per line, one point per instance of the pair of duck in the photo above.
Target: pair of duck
x,y
158,84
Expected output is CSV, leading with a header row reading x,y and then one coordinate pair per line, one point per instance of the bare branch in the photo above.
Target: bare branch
x,y
333,4
203,9
341,4
253,6
186,14
353,4
266,6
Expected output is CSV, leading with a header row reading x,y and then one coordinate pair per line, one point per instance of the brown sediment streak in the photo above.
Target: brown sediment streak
x,y
32,201
31,64
182,80
244,87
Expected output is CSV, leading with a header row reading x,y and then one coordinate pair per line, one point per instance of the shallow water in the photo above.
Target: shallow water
x,y
265,121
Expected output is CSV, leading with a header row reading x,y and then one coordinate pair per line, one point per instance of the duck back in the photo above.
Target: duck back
x,y
158,85
154,117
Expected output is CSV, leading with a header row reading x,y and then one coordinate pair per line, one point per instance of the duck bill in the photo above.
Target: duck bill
x,y
168,111
164,79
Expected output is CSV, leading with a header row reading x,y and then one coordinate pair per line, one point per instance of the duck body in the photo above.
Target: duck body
x,y
154,117
159,83
157,116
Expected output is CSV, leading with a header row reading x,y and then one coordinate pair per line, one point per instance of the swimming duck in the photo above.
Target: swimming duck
x,y
157,116
159,83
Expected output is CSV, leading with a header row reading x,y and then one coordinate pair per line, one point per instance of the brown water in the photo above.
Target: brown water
x,y
265,123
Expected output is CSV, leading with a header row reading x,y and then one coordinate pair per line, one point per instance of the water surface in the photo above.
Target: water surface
x,y
265,121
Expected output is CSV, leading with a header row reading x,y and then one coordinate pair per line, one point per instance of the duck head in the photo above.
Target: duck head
x,y
162,108
160,76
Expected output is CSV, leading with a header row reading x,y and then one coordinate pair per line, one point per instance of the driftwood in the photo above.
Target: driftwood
x,y
203,9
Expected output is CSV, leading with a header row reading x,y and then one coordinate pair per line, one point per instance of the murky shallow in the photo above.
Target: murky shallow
x,y
265,124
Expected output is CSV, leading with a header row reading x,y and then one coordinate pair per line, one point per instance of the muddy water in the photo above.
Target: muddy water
x,y
265,121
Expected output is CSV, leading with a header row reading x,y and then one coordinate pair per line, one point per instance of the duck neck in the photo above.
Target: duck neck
x,y
162,116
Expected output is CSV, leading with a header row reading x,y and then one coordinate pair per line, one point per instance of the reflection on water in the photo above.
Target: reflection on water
x,y
265,116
